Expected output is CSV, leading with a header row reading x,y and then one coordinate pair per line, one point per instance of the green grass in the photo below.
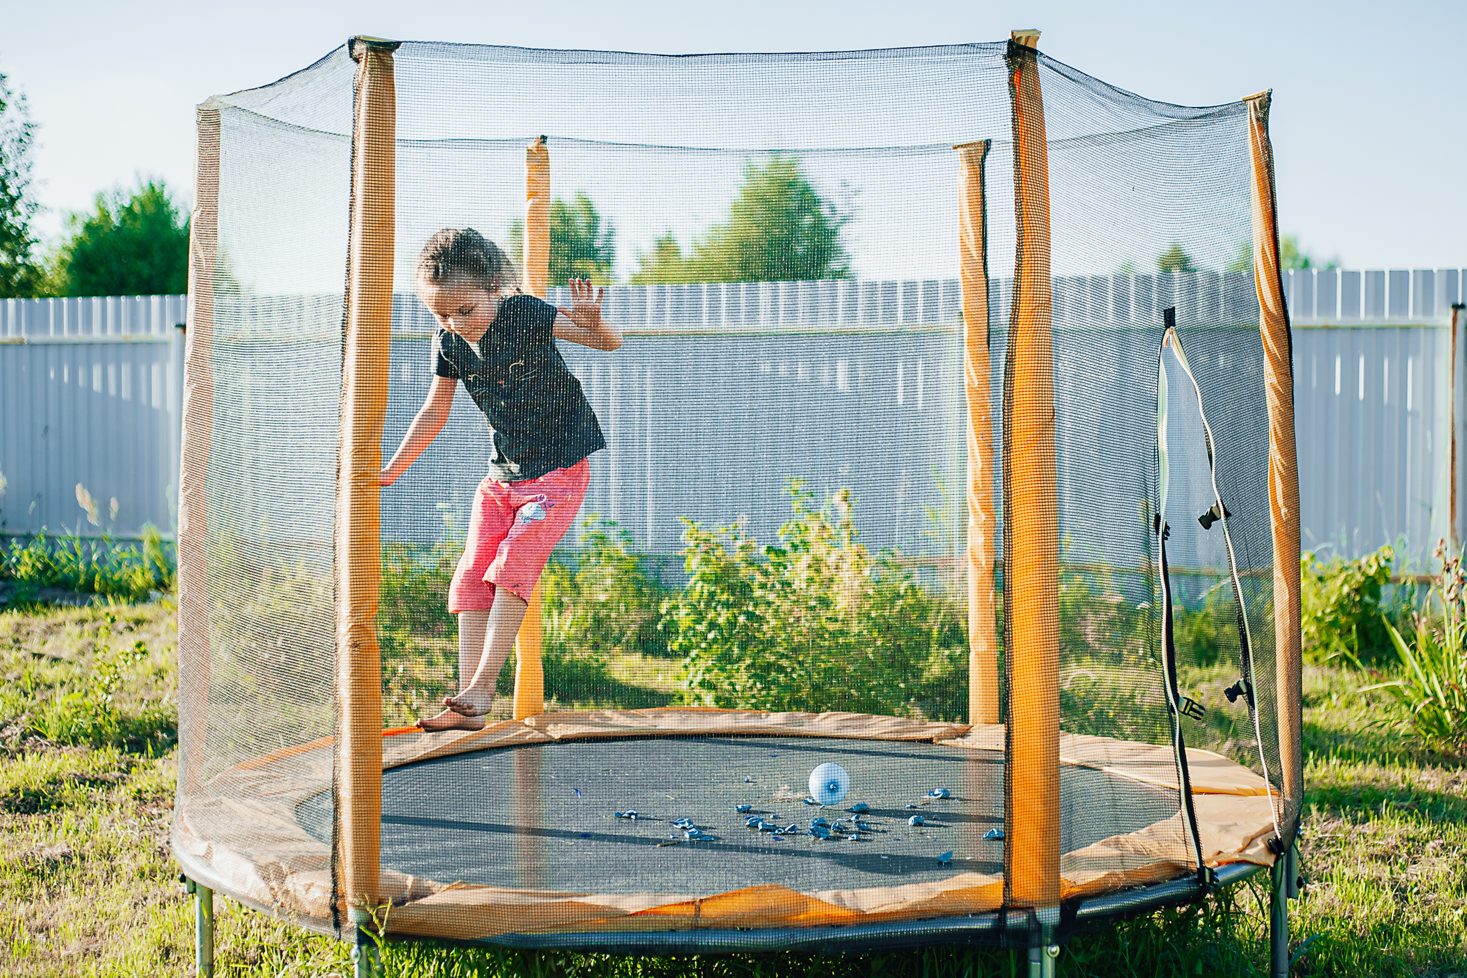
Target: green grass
x,y
88,887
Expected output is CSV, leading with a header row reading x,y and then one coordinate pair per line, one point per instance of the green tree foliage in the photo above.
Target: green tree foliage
x,y
1291,256
582,244
19,273
666,264
132,243
1174,259
779,229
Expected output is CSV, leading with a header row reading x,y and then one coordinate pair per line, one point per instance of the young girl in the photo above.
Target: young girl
x,y
501,344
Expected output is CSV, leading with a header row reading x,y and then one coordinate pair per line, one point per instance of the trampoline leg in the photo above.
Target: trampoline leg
x,y
203,927
365,957
1278,931
1042,958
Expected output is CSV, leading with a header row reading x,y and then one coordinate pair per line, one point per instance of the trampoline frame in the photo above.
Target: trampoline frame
x,y
297,773
1041,938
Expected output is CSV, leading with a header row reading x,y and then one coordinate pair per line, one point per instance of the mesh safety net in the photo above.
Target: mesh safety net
x,y
784,522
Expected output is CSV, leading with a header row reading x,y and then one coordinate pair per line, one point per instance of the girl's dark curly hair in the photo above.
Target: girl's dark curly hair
x,y
457,255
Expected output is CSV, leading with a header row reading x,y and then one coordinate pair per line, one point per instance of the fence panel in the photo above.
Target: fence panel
x,y
89,393
89,390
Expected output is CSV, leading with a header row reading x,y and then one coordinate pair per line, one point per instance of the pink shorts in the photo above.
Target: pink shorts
x,y
513,529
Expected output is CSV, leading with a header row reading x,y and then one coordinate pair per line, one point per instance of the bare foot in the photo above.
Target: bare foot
x,y
450,720
469,703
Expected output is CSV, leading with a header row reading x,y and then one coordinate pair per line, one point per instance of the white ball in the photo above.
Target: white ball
x,y
829,784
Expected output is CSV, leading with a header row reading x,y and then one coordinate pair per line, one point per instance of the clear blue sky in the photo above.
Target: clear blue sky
x,y
1369,126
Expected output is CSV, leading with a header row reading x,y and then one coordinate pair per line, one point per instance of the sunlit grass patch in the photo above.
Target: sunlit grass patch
x,y
93,677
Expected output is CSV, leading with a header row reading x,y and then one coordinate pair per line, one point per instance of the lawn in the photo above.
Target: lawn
x,y
88,888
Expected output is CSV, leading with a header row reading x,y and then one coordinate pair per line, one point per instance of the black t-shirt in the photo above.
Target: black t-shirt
x,y
540,417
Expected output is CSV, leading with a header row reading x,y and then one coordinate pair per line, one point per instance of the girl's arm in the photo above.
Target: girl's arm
x,y
582,322
431,418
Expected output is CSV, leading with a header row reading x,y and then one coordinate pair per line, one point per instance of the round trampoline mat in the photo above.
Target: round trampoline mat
x,y
545,816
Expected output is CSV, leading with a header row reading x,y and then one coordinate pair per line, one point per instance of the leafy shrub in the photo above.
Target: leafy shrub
x,y
1433,689
414,591
87,565
1096,617
416,634
811,621
1346,606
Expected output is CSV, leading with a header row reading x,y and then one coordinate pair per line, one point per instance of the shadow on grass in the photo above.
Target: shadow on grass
x,y
1362,801
585,681
1371,743
1361,744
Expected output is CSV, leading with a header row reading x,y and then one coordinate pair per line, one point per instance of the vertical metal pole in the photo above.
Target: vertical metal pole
x,y
529,670
983,687
1453,530
1030,507
1044,955
177,342
1278,931
366,958
1283,467
365,361
203,927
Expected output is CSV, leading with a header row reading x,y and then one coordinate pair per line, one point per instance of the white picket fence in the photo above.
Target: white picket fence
x,y
90,390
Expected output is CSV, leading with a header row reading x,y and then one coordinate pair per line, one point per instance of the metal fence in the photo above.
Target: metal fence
x,y
90,391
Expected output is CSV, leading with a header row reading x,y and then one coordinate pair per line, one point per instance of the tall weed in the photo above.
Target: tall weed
x,y
1433,687
89,566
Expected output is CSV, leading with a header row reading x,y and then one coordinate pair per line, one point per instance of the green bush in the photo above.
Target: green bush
x,y
1346,606
1096,617
811,621
1433,689
88,565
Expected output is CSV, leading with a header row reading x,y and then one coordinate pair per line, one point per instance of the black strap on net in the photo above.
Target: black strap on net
x,y
1217,514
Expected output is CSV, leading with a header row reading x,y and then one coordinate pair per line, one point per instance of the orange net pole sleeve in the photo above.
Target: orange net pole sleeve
x,y
194,650
983,699
529,672
364,378
1031,578
1283,472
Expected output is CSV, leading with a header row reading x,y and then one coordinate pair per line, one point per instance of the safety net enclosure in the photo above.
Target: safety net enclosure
x,y
951,442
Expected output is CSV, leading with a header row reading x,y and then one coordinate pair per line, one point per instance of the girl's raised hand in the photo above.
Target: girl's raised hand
x,y
585,308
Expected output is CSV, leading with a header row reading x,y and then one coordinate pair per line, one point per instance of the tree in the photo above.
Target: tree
x,y
1291,256
665,264
1174,259
19,273
779,228
132,243
581,244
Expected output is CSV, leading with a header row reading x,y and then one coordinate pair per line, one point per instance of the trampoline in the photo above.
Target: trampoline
x,y
567,822
907,471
